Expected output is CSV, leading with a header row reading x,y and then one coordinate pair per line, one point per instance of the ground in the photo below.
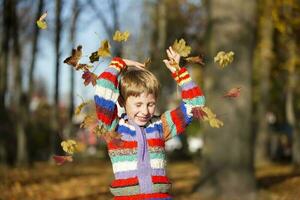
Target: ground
x,y
87,181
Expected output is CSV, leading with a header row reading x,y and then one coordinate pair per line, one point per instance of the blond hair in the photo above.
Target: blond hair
x,y
136,81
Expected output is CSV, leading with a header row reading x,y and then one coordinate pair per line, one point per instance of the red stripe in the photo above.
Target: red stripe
x,y
125,182
104,118
183,78
109,76
175,115
120,60
156,142
160,179
178,73
191,93
143,196
125,144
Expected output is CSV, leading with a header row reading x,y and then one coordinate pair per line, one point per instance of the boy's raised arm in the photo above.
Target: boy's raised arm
x,y
107,93
175,121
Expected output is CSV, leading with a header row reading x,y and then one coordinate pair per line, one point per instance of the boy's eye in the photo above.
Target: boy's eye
x,y
151,104
138,105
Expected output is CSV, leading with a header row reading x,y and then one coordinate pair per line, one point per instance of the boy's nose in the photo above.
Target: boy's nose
x,y
145,111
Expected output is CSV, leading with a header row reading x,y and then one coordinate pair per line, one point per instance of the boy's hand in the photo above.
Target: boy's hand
x,y
173,62
134,63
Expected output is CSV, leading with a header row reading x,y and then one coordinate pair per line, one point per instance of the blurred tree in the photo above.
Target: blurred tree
x,y
35,39
110,29
19,100
56,136
72,38
261,75
227,169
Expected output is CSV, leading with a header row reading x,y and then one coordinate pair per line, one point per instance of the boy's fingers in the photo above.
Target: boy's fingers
x,y
169,54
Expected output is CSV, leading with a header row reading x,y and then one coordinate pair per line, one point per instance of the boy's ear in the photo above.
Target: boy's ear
x,y
121,101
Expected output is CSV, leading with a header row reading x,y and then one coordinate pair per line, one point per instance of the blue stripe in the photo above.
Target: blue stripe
x,y
187,119
107,104
126,130
156,127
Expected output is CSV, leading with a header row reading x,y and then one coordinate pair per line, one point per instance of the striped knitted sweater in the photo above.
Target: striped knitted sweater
x,y
139,163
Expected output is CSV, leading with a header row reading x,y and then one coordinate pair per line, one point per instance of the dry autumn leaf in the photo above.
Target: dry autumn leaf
x,y
75,57
181,48
198,113
223,58
41,23
79,108
147,63
119,36
104,50
233,92
59,160
195,59
83,67
94,57
89,77
212,118
69,146
89,121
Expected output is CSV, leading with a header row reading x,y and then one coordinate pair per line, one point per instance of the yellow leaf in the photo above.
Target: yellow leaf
x,y
212,118
79,108
69,146
104,50
223,58
181,48
215,123
99,130
89,121
41,23
119,36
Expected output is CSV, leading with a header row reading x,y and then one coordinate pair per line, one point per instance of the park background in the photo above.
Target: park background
x,y
255,155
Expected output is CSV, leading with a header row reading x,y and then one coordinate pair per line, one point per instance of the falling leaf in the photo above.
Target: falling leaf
x,y
88,121
119,36
75,57
104,50
99,130
94,57
224,59
215,123
41,23
181,48
79,108
195,59
69,146
212,118
233,92
198,113
83,67
89,77
59,160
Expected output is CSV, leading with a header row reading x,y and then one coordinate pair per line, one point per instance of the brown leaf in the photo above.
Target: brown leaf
x,y
89,77
233,92
198,113
59,160
195,59
75,57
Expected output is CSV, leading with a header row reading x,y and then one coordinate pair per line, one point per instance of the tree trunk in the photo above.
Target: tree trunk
x,y
17,101
289,106
4,55
36,34
55,137
227,169
73,29
263,66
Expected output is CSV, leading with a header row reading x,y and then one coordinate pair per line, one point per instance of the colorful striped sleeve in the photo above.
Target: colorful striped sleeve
x,y
175,121
107,93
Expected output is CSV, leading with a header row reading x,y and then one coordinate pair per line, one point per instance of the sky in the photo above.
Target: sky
x,y
89,35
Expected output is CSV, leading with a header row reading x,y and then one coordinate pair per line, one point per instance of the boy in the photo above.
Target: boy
x,y
139,163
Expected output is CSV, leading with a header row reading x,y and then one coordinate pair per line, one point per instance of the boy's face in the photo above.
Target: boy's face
x,y
140,109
